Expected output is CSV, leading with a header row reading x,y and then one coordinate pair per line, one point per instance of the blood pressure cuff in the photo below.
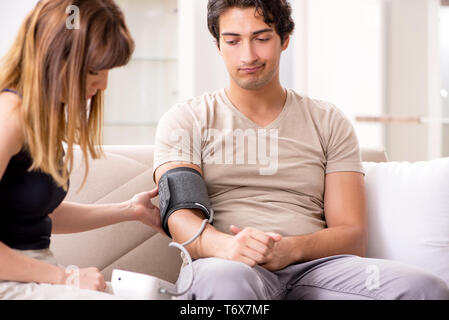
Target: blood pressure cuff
x,y
182,188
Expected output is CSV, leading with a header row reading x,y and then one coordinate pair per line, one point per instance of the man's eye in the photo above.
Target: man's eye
x,y
93,73
263,39
232,42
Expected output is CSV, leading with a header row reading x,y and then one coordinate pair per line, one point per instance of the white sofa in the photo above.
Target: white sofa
x,y
133,246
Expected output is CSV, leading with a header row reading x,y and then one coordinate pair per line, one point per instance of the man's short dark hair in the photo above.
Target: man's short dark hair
x,y
276,12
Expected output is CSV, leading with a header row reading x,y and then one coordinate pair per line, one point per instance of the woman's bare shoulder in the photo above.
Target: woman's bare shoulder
x,y
11,123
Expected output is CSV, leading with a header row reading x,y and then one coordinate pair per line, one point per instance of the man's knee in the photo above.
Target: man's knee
x,y
421,286
224,280
429,287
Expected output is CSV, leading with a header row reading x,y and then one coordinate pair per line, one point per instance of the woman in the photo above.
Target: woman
x,y
51,92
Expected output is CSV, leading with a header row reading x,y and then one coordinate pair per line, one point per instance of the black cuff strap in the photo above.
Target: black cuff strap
x,y
182,188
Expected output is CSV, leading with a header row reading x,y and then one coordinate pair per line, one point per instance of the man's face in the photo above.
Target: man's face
x,y
250,48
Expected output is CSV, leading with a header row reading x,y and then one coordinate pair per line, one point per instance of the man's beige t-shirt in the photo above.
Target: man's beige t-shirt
x,y
269,178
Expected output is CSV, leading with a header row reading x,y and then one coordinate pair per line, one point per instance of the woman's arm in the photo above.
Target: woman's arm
x,y
18,267
15,266
72,217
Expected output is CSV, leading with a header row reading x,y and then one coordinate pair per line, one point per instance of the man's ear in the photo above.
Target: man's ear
x,y
286,42
217,45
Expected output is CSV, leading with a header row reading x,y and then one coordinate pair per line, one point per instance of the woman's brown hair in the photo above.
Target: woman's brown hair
x,y
48,65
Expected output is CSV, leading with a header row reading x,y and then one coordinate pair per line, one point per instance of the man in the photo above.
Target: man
x,y
284,177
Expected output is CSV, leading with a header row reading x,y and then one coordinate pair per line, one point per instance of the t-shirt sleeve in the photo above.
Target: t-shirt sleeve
x,y
343,151
178,137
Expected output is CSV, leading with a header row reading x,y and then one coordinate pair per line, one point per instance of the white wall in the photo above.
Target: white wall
x,y
444,54
434,83
12,14
200,66
340,58
373,57
414,79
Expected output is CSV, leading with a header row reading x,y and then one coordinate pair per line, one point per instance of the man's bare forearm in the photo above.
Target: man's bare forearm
x,y
327,242
185,223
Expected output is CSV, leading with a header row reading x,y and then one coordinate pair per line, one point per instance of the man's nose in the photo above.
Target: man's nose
x,y
248,55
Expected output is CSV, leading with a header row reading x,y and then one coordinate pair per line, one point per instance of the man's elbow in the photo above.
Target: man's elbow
x,y
360,241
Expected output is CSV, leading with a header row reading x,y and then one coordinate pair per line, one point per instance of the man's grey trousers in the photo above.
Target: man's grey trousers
x,y
336,277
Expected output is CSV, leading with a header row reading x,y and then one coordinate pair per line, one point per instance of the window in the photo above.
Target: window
x,y
141,92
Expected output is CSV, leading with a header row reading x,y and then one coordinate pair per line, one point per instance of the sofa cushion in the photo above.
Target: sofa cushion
x,y
408,213
123,172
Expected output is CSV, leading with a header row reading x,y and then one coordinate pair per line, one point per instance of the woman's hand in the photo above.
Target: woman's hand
x,y
140,208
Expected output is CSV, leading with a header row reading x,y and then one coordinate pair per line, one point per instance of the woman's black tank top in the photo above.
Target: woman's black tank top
x,y
26,200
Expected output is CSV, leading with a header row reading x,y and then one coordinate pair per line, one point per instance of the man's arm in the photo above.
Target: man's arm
x,y
344,209
250,246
